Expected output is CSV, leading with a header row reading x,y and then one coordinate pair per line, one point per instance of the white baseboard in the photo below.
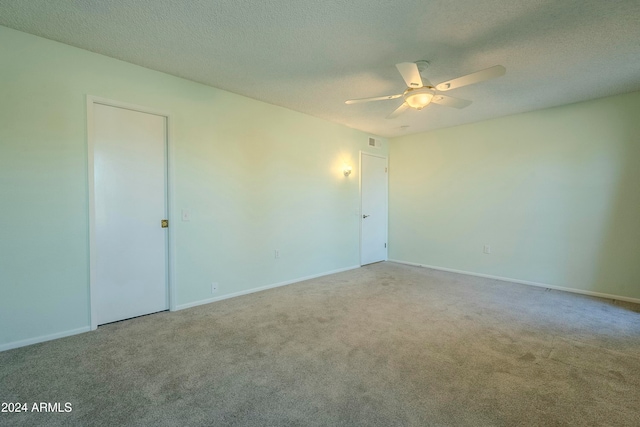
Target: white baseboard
x,y
523,282
262,288
16,344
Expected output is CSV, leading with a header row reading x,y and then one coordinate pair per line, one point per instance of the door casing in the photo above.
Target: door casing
x,y
91,100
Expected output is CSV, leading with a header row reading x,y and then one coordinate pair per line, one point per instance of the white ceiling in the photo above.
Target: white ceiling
x,y
312,55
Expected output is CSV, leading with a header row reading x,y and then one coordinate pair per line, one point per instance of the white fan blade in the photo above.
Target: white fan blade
x,y
425,81
449,101
398,111
478,76
410,74
377,98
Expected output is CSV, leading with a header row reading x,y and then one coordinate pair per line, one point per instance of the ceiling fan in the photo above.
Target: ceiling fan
x,y
420,92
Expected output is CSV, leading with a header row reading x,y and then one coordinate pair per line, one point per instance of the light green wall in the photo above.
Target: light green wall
x,y
555,193
256,177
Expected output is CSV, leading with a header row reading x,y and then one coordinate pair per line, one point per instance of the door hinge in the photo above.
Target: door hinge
x,y
385,170
164,223
385,245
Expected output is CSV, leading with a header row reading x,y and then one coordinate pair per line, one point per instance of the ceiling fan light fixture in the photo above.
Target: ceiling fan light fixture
x,y
418,98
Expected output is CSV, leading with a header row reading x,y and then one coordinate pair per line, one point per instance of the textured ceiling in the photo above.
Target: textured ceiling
x,y
310,55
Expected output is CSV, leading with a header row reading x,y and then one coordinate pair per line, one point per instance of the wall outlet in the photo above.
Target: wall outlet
x,y
214,287
276,253
186,215
486,249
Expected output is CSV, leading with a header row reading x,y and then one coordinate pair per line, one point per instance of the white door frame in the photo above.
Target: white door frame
x,y
386,228
91,100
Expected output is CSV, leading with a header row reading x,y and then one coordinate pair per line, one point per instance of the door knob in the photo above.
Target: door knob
x,y
364,216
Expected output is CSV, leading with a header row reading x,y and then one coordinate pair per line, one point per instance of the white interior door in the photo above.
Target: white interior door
x,y
129,246
373,200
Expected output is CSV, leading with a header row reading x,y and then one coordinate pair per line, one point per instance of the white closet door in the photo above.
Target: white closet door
x,y
373,244
129,254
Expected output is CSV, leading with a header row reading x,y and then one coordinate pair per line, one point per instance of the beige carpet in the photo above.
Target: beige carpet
x,y
383,345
